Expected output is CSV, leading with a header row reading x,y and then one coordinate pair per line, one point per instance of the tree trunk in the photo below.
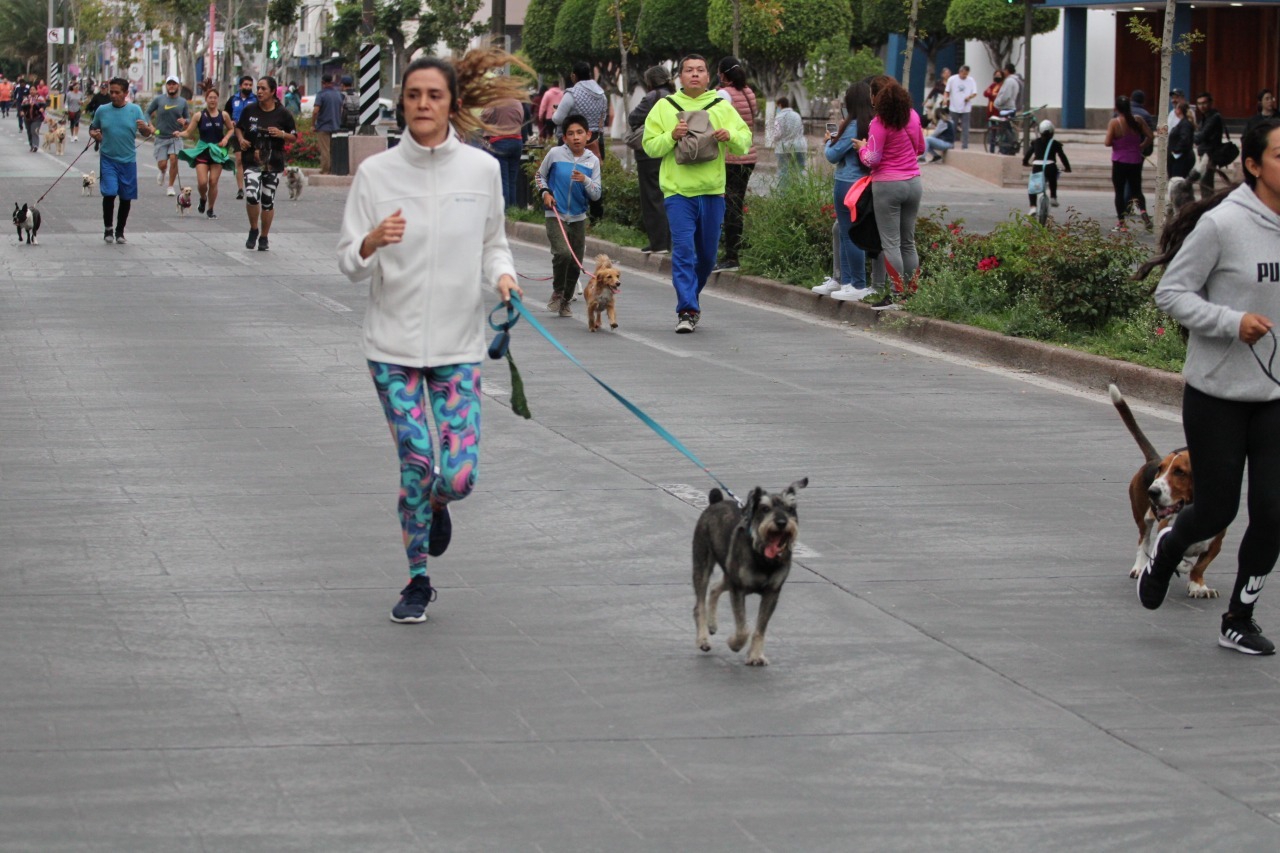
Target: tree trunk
x,y
625,85
737,28
1162,118
911,44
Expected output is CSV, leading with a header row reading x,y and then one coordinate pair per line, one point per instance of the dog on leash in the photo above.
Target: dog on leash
x,y
55,137
27,220
295,181
184,201
752,545
601,292
1157,492
88,180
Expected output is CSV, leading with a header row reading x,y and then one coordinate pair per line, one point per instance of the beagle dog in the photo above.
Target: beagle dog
x,y
1157,492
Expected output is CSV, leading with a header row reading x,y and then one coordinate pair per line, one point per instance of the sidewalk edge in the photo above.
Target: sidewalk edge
x,y
1092,372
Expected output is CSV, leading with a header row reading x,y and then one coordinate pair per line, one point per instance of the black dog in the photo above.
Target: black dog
x,y
753,547
27,218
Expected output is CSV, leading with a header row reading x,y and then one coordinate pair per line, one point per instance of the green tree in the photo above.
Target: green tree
x,y
668,29
22,35
831,66
613,42
573,30
995,23
932,35
539,38
776,37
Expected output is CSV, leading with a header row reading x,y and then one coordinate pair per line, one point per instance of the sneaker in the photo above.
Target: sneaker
x,y
565,310
120,240
878,302
694,317
109,236
200,207
1031,211
1120,228
1243,634
211,214
263,245
252,242
936,158
662,251
1053,202
725,266
685,324
553,304
1153,585
414,599
849,293
160,179
441,533
647,250
1146,221
171,191
828,286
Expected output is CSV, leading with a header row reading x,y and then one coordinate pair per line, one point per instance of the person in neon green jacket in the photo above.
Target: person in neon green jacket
x,y
693,194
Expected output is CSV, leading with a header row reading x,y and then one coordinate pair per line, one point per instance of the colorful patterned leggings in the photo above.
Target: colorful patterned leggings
x,y
454,393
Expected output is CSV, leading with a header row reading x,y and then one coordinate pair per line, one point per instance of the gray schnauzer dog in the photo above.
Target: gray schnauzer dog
x,y
752,544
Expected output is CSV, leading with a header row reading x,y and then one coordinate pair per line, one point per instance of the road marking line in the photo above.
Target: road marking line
x,y
325,302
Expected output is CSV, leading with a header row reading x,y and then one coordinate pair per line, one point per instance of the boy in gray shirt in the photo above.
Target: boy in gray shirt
x,y
169,114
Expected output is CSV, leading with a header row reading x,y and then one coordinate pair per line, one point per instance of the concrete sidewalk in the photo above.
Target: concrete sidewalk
x,y
198,551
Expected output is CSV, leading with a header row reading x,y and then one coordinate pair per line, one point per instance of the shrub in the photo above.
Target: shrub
x,y
621,193
786,235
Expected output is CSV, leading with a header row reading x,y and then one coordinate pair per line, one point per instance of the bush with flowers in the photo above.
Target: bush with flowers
x,y
305,152
786,234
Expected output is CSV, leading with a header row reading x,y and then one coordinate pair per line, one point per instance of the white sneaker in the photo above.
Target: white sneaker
x,y
1031,211
160,179
849,293
828,286
170,191
1053,202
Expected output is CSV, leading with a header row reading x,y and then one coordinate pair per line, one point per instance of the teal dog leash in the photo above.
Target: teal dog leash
x,y
516,308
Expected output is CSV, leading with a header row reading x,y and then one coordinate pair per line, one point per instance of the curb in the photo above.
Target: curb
x,y
1091,372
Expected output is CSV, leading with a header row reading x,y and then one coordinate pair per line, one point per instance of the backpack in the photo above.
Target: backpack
x,y
350,110
699,145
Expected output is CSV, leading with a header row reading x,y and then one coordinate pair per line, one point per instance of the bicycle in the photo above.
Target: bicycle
x,y
1004,133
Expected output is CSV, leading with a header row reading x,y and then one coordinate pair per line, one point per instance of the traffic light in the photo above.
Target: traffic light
x,y
273,49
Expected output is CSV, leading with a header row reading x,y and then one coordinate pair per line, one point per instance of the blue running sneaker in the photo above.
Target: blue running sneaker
x,y
414,599
441,533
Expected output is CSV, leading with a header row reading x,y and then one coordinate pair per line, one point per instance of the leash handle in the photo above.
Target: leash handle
x,y
1267,368
662,432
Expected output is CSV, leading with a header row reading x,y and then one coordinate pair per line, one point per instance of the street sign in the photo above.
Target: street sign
x,y
57,35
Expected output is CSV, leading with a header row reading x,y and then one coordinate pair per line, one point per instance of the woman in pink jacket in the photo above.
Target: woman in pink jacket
x,y
890,152
738,167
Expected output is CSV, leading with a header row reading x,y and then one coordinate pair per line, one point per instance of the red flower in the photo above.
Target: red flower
x,y
829,210
933,246
989,263
1159,330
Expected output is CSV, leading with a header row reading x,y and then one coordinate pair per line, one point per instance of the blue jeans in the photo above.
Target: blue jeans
x,y
695,237
935,146
853,261
508,152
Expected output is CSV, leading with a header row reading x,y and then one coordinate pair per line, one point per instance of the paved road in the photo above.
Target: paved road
x,y
198,550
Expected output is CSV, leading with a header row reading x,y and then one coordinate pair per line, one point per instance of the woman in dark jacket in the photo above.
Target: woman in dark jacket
x,y
652,212
1181,156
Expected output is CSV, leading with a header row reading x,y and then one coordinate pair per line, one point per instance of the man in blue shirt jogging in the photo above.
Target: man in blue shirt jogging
x,y
243,97
114,128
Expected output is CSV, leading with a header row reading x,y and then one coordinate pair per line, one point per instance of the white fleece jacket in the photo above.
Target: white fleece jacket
x,y
428,294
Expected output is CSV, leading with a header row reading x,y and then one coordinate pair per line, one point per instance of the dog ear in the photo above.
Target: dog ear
x,y
794,487
753,500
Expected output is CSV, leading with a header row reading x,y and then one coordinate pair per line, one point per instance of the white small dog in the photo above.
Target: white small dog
x,y
88,180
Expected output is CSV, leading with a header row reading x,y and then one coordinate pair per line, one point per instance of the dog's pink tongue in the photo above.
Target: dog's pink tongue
x,y
772,548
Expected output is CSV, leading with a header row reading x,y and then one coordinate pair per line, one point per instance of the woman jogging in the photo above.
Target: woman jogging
x,y
1222,283
1127,136
424,224
211,154
890,151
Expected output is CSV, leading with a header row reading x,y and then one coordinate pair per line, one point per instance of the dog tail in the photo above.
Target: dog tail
x,y
1117,400
714,497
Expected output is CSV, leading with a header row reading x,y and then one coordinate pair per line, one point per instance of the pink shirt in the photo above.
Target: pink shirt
x,y
890,155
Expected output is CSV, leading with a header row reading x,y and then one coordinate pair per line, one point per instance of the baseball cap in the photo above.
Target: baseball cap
x,y
171,79
347,81
1178,93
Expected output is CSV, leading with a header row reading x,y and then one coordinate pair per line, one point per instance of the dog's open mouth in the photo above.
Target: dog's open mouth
x,y
776,544
1163,512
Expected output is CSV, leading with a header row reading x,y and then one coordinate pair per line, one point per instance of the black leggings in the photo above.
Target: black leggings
x,y
108,209
1050,181
1127,179
1221,436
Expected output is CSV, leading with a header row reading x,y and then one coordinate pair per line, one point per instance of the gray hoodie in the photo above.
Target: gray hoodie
x,y
1229,266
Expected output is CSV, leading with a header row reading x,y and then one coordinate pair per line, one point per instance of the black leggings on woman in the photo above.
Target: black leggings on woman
x,y
1127,179
1221,436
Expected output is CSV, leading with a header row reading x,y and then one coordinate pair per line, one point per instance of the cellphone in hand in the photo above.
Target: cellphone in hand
x,y
831,127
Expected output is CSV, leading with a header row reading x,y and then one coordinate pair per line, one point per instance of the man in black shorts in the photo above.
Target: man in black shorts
x,y
263,130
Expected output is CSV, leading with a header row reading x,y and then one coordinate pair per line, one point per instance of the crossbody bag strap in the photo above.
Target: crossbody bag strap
x,y
1044,164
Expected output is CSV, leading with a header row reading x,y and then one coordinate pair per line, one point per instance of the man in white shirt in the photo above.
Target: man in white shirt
x,y
961,90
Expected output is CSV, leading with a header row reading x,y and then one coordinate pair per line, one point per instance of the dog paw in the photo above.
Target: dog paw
x,y
1199,590
613,325
1134,572
736,642
704,642
758,660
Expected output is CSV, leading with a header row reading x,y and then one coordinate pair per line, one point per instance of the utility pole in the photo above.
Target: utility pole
x,y
48,60
1026,74
498,23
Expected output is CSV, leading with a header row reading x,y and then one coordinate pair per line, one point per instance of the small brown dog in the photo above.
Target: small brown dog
x,y
601,291
1157,492
55,137
184,201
